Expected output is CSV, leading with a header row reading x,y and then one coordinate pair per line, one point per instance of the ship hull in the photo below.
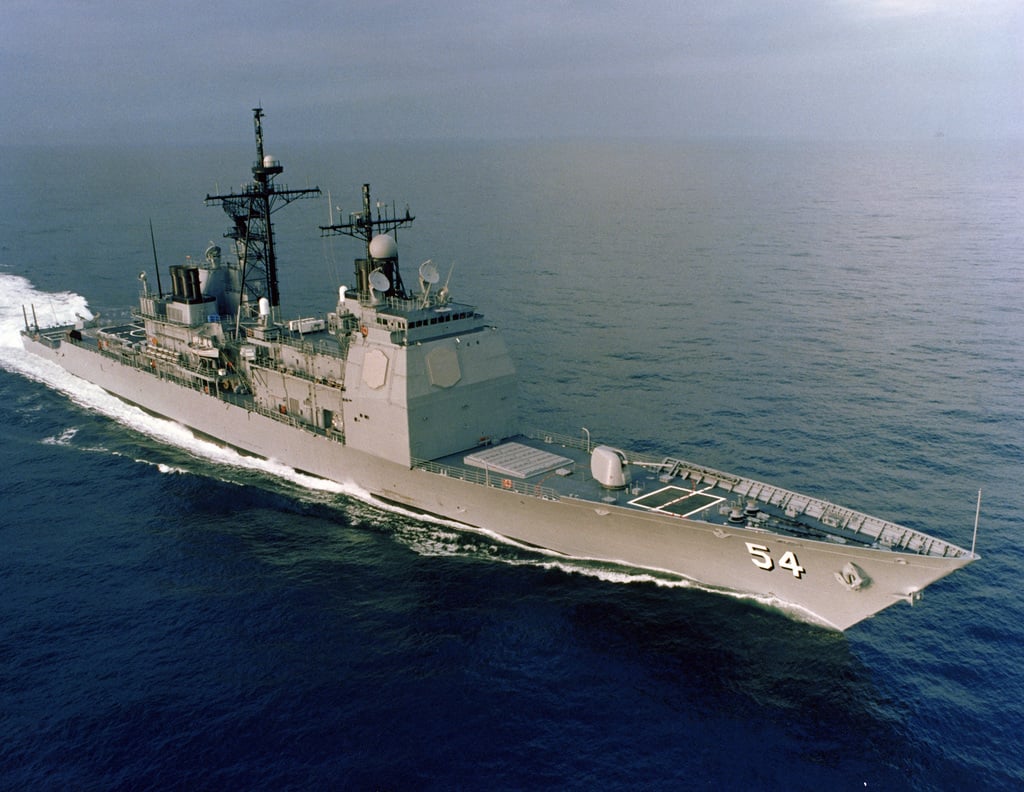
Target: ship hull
x,y
715,557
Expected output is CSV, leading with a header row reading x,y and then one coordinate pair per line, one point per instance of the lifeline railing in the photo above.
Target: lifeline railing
x,y
487,478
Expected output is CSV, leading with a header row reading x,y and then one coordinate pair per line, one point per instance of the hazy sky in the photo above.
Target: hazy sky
x,y
111,70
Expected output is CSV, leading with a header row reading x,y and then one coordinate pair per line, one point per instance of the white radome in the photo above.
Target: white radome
x,y
383,246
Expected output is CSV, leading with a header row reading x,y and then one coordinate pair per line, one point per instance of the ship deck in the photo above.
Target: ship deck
x,y
553,466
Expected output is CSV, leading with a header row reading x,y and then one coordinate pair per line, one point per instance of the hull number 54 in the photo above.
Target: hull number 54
x,y
762,558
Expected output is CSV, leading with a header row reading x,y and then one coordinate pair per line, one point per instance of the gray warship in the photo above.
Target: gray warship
x,y
410,395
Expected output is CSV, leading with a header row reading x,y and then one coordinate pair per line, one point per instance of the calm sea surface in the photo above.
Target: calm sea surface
x,y
844,319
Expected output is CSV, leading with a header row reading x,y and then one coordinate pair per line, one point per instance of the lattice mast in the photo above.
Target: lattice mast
x,y
363,225
252,230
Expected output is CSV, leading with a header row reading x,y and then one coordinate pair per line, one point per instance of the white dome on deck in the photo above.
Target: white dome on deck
x,y
383,246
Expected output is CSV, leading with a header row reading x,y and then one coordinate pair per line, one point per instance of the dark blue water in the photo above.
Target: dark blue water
x,y
841,319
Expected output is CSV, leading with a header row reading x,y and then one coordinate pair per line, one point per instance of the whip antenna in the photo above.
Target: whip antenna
x,y
152,239
977,514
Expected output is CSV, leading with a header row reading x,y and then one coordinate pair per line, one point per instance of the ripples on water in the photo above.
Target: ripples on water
x,y
843,320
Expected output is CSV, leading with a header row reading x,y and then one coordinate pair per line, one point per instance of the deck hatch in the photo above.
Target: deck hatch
x,y
517,460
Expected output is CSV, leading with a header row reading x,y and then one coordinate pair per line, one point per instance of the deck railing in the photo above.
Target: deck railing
x,y
487,478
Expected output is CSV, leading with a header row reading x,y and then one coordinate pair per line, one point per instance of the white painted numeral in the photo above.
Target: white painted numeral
x,y
762,558
788,561
759,555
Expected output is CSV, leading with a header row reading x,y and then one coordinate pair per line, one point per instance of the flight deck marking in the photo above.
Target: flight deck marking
x,y
673,500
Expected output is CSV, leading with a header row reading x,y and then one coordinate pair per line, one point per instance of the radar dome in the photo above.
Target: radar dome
x,y
383,246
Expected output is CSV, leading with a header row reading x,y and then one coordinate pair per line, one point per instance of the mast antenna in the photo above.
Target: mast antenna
x,y
977,514
257,120
156,264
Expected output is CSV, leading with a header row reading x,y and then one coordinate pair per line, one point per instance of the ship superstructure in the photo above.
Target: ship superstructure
x,y
411,395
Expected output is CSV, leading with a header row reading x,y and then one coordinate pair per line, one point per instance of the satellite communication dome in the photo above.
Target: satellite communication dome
x,y
383,246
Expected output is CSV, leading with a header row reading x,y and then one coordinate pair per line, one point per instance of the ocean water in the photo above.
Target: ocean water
x,y
842,319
